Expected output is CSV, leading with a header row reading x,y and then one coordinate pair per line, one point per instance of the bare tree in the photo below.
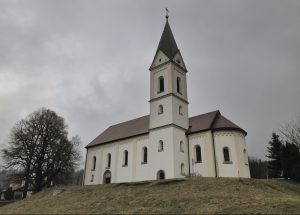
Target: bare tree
x,y
39,148
291,131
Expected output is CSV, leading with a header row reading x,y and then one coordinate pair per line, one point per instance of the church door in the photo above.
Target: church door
x,y
107,177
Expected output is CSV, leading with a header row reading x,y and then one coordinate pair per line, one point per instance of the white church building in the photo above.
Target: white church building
x,y
167,143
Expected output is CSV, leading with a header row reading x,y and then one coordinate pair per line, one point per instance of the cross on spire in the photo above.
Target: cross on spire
x,y
167,13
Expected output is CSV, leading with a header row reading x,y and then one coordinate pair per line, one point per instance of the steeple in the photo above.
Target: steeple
x,y
167,49
167,43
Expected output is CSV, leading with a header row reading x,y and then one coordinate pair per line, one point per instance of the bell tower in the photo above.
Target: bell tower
x,y
168,110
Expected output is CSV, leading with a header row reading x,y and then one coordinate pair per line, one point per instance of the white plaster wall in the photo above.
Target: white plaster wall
x,y
142,169
157,120
124,173
180,156
95,151
206,167
226,139
154,75
177,72
181,120
163,160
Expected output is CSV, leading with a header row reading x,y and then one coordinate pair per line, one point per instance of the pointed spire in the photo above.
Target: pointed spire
x,y
167,43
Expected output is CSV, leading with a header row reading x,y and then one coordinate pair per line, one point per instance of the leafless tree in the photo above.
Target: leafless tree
x,y
39,148
291,131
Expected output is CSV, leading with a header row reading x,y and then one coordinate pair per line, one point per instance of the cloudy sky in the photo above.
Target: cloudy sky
x,y
89,60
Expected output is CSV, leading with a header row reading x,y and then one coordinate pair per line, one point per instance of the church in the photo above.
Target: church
x,y
167,143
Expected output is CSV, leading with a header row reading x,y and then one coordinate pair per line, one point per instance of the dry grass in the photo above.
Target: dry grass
x,y
190,196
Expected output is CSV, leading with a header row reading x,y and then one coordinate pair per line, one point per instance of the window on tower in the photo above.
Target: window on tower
x,y
161,84
160,109
160,146
180,110
178,85
181,146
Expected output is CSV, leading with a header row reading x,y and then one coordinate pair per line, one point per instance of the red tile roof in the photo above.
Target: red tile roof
x,y
209,121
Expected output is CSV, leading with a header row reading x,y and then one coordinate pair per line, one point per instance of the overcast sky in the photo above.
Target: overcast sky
x,y
89,60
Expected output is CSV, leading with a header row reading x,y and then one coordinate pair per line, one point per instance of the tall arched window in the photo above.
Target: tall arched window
x,y
160,109
178,85
145,155
198,154
125,158
108,161
94,163
181,146
161,84
180,110
226,154
182,169
160,146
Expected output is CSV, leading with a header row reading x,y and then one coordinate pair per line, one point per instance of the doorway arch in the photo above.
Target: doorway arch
x,y
160,175
107,177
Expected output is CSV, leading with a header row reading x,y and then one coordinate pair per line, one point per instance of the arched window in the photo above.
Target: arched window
x,y
181,146
160,146
161,84
180,110
125,158
92,178
178,85
245,157
198,154
94,163
145,155
108,161
160,109
226,154
182,169
160,175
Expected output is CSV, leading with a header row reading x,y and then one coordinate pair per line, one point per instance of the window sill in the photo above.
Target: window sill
x,y
160,92
144,163
125,165
160,150
227,162
182,151
198,161
107,167
92,170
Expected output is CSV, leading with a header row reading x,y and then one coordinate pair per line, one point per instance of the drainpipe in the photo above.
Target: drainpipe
x,y
83,177
188,151
214,148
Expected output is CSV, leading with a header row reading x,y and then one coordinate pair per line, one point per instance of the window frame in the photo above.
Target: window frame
x,y
160,146
198,154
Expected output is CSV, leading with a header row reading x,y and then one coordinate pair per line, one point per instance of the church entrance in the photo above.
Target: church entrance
x,y
160,175
107,177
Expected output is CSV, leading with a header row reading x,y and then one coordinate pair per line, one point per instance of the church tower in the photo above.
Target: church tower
x,y
168,111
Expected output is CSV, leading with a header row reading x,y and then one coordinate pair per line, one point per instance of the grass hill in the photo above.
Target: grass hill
x,y
192,195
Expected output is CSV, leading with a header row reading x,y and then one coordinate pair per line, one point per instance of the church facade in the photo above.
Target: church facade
x,y
167,143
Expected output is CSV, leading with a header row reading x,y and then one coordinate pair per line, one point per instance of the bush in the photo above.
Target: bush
x,y
8,194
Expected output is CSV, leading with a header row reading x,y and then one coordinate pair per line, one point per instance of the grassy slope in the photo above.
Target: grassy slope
x,y
195,195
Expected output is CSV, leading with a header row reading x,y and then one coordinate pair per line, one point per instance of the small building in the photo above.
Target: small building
x,y
167,143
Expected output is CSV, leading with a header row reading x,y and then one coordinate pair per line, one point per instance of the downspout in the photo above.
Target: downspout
x,y
188,148
214,149
83,177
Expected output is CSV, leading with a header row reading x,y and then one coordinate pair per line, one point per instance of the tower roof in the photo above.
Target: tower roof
x,y
167,43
